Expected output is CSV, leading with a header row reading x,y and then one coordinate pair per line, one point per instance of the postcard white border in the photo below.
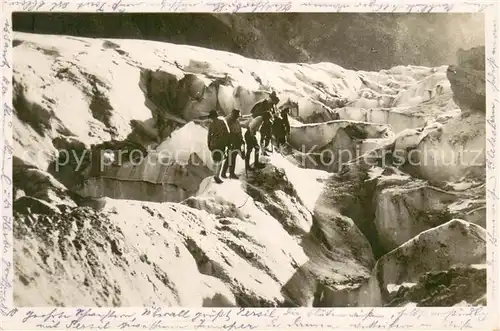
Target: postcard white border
x,y
228,319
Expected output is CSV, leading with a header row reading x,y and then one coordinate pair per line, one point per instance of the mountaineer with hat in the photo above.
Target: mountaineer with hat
x,y
218,141
274,99
268,104
236,142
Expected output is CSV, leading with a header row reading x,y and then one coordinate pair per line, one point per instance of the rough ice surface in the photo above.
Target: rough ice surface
x,y
293,233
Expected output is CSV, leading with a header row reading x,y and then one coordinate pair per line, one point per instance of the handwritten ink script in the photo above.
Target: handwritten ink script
x,y
492,70
239,6
165,5
376,6
5,45
6,159
252,6
249,319
98,6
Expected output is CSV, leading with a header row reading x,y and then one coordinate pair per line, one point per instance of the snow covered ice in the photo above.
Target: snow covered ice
x,y
296,233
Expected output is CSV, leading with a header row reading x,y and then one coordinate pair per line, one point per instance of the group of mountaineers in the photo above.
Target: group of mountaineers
x,y
226,140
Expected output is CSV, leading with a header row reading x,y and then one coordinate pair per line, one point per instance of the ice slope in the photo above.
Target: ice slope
x,y
314,137
63,76
226,237
455,243
271,238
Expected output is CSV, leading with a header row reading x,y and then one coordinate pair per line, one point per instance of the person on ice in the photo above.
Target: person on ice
x,y
251,141
286,123
218,141
274,99
266,132
235,143
265,105
281,128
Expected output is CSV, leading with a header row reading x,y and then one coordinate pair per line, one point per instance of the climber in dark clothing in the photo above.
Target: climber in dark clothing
x,y
266,133
261,107
218,139
265,105
286,122
279,131
252,143
235,143
274,99
281,128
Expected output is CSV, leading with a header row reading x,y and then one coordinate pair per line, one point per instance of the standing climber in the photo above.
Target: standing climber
x,y
274,100
279,131
251,141
218,139
235,143
266,132
281,128
286,124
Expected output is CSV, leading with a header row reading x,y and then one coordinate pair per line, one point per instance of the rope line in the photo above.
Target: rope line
x,y
244,203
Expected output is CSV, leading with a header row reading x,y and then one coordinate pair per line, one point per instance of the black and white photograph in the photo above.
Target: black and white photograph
x,y
249,160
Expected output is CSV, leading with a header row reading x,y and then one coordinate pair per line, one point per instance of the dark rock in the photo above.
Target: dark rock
x,y
445,288
31,205
467,80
